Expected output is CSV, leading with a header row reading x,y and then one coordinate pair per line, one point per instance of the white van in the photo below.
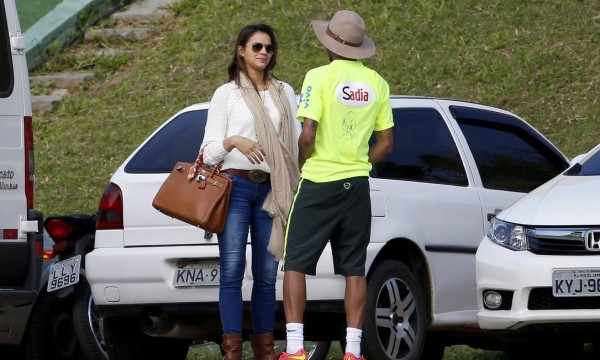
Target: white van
x,y
21,236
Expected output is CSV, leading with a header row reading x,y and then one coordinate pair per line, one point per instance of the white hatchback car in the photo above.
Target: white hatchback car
x,y
454,165
538,268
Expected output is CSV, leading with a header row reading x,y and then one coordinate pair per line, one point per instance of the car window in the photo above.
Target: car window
x,y
6,70
589,168
179,140
508,153
424,150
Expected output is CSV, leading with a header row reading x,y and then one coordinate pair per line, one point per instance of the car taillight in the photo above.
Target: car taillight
x,y
29,168
110,211
58,229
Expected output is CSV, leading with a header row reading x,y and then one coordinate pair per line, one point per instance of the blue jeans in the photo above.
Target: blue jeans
x,y
246,215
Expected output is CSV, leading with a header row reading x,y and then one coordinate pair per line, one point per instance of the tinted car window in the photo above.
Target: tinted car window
x,y
509,155
424,150
179,140
590,167
6,71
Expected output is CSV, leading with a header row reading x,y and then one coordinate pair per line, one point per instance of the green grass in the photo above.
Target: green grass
x,y
538,59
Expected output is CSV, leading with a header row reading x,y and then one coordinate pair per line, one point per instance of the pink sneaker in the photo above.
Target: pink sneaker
x,y
350,356
299,355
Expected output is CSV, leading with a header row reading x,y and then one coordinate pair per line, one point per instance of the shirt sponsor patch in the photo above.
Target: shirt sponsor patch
x,y
305,98
355,94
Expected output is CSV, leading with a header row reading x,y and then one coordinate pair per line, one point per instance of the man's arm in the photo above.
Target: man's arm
x,y
306,141
384,141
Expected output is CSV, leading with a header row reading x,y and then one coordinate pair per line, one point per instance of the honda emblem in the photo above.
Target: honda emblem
x,y
592,240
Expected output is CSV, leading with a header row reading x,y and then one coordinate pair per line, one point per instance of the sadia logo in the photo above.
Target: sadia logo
x,y
355,94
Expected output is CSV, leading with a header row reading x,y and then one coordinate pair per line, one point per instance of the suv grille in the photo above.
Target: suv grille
x,y
559,241
542,299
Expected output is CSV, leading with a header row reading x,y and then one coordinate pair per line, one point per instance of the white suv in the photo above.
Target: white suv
x,y
454,165
538,269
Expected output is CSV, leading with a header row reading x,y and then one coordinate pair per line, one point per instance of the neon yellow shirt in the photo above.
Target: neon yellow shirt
x,y
349,101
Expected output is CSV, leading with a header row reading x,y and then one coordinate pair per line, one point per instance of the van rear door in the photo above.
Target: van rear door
x,y
20,246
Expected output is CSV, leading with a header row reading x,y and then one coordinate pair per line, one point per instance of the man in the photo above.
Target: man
x,y
342,105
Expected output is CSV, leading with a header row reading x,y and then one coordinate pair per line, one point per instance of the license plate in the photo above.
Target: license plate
x,y
64,273
576,282
197,274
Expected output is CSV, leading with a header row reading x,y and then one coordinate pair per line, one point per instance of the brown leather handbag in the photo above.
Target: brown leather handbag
x,y
196,194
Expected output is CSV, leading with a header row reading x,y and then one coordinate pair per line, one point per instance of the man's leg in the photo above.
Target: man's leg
x,y
294,296
354,303
294,303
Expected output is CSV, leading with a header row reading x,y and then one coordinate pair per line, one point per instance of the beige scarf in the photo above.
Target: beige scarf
x,y
281,155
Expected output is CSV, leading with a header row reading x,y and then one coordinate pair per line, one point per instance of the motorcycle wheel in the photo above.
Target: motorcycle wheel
x,y
89,326
51,333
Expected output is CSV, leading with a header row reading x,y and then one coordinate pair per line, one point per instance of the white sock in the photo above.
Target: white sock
x,y
294,337
353,337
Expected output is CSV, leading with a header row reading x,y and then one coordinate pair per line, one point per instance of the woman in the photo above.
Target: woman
x,y
252,129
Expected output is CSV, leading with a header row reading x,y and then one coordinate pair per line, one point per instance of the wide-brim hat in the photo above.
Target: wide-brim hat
x,y
345,35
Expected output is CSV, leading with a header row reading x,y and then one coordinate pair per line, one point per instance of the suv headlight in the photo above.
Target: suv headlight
x,y
509,235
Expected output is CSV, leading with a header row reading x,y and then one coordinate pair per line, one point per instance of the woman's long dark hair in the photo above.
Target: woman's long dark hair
x,y
237,63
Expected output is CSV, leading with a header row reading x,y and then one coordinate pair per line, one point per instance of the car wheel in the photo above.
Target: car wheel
x,y
394,326
89,326
316,350
51,333
126,341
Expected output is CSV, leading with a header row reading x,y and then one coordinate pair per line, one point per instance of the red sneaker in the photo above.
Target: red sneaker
x,y
299,355
350,356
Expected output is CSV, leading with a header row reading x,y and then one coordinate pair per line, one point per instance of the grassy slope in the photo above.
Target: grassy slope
x,y
539,59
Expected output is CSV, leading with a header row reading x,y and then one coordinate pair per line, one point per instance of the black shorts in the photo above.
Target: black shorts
x,y
336,211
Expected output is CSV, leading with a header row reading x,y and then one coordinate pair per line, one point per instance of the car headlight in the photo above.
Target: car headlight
x,y
509,235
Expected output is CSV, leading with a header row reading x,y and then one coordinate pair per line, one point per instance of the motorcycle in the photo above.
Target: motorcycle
x,y
68,323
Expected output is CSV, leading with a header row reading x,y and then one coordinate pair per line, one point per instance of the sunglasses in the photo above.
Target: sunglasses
x,y
257,47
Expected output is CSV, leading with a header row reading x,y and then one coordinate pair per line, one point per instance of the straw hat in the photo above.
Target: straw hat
x,y
344,35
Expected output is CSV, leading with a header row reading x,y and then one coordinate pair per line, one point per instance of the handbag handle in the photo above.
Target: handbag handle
x,y
193,171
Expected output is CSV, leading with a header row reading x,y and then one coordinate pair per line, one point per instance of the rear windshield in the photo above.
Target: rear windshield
x,y
179,140
6,71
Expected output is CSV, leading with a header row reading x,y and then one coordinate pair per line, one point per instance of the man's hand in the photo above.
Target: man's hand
x,y
384,144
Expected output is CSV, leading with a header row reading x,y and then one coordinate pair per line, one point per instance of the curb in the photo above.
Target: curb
x,y
63,25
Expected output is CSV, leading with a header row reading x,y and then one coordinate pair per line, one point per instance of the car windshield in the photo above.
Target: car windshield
x,y
589,168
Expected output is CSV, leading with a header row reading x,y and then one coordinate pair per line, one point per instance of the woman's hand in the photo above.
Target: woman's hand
x,y
253,150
